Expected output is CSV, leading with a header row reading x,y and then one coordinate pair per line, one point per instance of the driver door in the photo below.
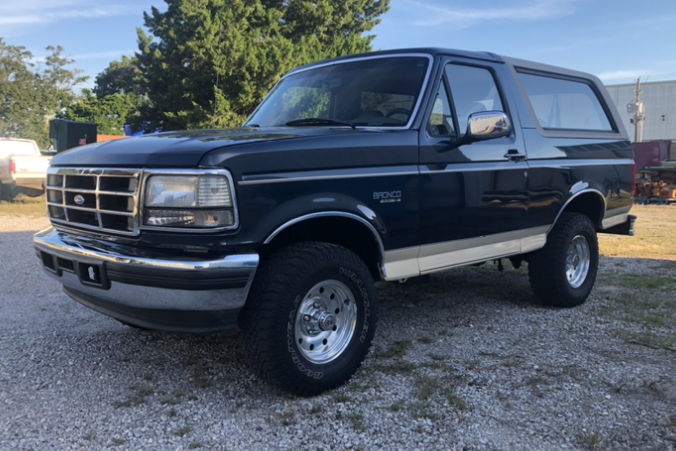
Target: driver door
x,y
473,194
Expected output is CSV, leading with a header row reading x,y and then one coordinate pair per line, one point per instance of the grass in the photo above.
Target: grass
x,y
455,399
425,387
397,406
643,300
398,367
361,388
653,340
25,206
590,442
182,431
398,349
641,282
174,399
357,420
200,376
137,398
422,409
342,398
646,304
654,235
434,365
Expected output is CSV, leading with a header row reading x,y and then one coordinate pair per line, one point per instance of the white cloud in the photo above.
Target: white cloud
x,y
43,11
89,56
623,74
101,55
535,10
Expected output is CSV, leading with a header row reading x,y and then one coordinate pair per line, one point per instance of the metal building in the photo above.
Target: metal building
x,y
659,100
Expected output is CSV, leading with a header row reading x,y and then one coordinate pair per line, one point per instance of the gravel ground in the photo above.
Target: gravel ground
x,y
468,361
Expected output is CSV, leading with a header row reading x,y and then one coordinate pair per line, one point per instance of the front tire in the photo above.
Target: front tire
x,y
310,317
562,273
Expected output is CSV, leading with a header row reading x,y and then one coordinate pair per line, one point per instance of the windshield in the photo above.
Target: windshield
x,y
376,92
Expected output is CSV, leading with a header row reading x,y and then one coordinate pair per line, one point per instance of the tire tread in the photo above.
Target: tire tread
x,y
274,281
545,266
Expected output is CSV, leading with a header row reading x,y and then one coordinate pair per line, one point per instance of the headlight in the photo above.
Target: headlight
x,y
181,191
188,201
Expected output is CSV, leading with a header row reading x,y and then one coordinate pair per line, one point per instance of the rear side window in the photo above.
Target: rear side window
x,y
561,104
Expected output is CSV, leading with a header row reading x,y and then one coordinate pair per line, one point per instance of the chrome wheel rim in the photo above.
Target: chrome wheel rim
x,y
577,261
326,321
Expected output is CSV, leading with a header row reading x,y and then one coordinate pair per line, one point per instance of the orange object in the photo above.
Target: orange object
x,y
103,138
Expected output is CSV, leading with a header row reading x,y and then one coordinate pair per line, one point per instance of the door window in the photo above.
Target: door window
x,y
441,118
474,90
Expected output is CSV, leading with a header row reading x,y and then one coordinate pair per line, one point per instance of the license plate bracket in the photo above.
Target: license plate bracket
x,y
92,275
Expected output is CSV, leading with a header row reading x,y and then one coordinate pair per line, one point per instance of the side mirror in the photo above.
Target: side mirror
x,y
487,125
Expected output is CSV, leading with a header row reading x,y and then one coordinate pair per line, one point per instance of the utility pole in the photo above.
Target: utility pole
x,y
635,108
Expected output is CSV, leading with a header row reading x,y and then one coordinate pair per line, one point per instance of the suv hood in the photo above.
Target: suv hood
x,y
177,149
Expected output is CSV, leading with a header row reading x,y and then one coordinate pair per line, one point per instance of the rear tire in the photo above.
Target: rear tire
x,y
310,317
562,273
6,193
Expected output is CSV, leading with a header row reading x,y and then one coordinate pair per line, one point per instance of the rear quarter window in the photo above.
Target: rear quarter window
x,y
563,104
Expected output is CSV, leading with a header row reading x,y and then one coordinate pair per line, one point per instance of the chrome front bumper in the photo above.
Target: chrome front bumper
x,y
152,291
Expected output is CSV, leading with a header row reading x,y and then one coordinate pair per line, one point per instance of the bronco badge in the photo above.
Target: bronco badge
x,y
386,197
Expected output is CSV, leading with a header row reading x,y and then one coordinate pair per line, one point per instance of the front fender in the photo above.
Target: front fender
x,y
271,218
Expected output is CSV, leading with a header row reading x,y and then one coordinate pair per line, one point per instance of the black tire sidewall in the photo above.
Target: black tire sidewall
x,y
576,296
336,371
5,193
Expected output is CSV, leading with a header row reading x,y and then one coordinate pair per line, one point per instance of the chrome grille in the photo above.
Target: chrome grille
x,y
98,199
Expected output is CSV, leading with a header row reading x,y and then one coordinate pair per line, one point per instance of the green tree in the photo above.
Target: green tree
x,y
22,103
120,77
210,62
110,113
59,80
30,95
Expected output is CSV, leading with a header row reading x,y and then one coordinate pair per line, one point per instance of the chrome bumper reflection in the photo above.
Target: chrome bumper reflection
x,y
90,267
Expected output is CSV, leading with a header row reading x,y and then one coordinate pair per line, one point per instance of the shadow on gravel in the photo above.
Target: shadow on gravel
x,y
482,285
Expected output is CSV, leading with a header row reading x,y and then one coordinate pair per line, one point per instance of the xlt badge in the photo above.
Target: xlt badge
x,y
386,197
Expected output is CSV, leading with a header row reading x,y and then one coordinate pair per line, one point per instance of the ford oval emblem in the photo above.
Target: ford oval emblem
x,y
79,199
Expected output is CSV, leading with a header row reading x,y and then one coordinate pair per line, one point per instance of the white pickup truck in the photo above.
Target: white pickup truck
x,y
22,168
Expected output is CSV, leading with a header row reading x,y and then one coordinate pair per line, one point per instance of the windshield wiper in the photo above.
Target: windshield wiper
x,y
319,121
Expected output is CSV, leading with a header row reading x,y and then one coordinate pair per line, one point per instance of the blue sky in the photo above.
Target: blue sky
x,y
617,40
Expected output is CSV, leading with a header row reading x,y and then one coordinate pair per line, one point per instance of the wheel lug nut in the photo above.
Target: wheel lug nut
x,y
306,317
316,305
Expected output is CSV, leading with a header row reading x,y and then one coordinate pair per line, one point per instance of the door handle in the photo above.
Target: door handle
x,y
515,155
